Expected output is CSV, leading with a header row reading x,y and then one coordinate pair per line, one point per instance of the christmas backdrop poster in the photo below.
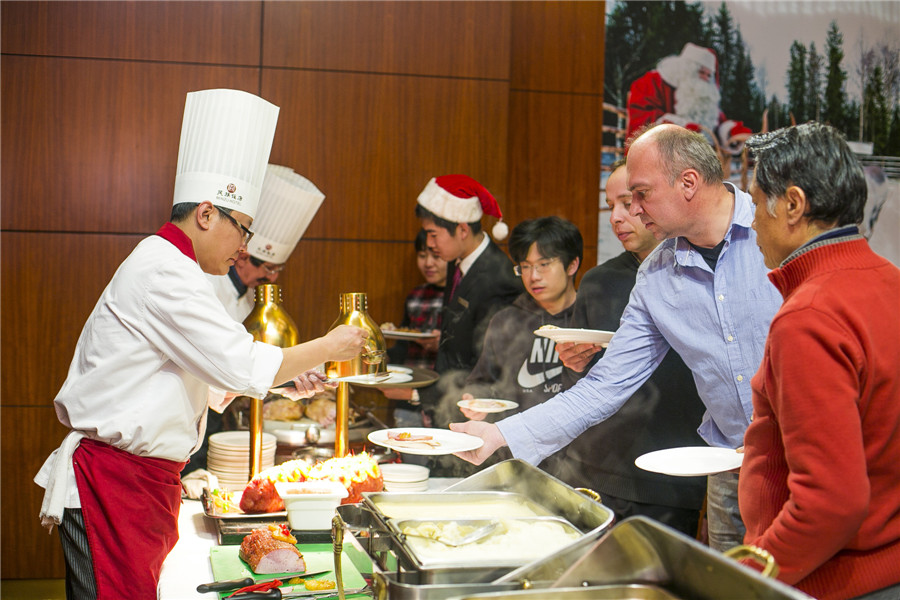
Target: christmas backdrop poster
x,y
731,69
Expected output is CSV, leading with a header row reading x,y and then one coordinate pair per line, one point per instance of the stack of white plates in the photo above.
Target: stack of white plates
x,y
404,478
228,457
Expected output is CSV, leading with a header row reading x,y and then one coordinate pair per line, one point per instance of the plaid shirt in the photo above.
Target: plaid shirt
x,y
423,312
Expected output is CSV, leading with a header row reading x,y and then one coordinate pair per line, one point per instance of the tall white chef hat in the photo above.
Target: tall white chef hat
x,y
288,204
226,138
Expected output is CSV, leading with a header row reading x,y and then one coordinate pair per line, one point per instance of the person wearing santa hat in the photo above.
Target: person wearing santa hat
x,y
684,90
287,204
480,277
135,398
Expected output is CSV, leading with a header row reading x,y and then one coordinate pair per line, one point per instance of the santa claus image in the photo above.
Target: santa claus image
x,y
684,90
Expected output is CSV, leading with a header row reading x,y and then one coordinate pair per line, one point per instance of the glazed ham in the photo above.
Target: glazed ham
x,y
267,555
260,497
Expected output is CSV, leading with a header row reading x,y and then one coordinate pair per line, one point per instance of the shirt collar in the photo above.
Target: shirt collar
x,y
465,264
832,236
172,234
742,217
239,285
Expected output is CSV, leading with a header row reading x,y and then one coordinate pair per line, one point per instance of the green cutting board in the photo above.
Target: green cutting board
x,y
227,564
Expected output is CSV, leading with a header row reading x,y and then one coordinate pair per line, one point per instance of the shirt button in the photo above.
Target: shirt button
x,y
740,378
721,297
730,338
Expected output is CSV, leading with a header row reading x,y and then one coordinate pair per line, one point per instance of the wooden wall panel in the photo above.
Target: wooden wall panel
x,y
205,32
557,46
447,39
553,162
371,142
29,435
50,283
98,157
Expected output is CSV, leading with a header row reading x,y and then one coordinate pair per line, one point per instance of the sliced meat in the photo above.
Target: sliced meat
x,y
266,555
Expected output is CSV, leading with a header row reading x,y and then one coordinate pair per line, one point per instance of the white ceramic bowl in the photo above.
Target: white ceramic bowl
x,y
403,473
310,505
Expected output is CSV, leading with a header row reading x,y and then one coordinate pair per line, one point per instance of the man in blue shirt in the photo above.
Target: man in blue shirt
x,y
703,292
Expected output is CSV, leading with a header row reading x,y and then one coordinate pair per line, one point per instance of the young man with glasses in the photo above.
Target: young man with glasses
x,y
515,364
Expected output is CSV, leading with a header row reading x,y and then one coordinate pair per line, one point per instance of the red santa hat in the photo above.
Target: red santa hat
x,y
705,57
461,199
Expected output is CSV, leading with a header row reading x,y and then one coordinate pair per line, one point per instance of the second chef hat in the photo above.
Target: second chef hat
x,y
226,138
288,204
461,199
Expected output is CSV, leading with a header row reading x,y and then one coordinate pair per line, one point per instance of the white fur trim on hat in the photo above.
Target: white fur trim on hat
x,y
700,55
500,230
226,138
449,207
286,207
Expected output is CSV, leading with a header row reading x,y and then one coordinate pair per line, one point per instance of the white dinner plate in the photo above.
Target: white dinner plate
x,y
393,334
237,440
579,336
391,379
399,369
487,405
404,473
443,441
690,461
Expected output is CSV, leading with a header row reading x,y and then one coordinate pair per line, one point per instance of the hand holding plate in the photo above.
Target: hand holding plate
x,y
489,432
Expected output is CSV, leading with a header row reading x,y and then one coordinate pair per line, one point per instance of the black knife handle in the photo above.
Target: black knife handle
x,y
219,586
273,594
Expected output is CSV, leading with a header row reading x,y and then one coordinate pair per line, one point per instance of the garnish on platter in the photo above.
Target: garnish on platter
x,y
358,473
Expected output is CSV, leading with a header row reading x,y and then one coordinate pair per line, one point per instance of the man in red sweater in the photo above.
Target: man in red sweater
x,y
820,482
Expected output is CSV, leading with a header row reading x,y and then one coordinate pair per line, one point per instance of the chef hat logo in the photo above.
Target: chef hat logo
x,y
287,205
231,188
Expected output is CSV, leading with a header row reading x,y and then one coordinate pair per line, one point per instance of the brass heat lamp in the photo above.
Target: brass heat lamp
x,y
268,322
370,361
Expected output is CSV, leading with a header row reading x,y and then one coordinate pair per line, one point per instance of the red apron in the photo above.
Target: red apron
x,y
130,506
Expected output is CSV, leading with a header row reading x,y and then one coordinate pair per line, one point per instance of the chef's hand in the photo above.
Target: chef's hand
x,y
472,415
345,342
577,356
489,432
306,385
431,344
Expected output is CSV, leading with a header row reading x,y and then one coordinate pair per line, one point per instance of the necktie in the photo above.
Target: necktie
x,y
457,276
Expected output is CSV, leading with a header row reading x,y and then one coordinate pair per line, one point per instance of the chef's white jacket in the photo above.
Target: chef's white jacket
x,y
239,307
157,339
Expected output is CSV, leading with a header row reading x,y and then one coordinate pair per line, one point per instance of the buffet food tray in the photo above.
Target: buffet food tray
x,y
403,575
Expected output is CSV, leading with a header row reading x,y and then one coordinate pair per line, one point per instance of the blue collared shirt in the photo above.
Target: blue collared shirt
x,y
716,320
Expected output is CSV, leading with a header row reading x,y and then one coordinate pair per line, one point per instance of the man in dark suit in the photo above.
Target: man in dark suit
x,y
480,281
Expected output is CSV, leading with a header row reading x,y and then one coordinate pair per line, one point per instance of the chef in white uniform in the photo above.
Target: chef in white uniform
x,y
287,205
135,397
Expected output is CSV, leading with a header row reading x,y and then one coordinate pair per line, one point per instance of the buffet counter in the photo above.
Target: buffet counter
x,y
188,564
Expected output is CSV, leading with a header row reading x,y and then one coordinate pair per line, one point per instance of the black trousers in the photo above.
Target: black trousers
x,y
80,582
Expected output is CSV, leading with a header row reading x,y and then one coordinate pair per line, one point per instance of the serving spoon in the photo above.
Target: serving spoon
x,y
477,535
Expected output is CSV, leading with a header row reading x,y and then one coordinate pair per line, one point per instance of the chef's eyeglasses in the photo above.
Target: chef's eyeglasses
x,y
270,269
540,268
246,233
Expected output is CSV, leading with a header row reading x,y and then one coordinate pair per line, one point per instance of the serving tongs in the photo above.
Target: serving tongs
x,y
483,529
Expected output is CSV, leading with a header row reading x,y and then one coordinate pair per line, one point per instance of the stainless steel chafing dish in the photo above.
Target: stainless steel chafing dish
x,y
636,559
400,572
642,559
